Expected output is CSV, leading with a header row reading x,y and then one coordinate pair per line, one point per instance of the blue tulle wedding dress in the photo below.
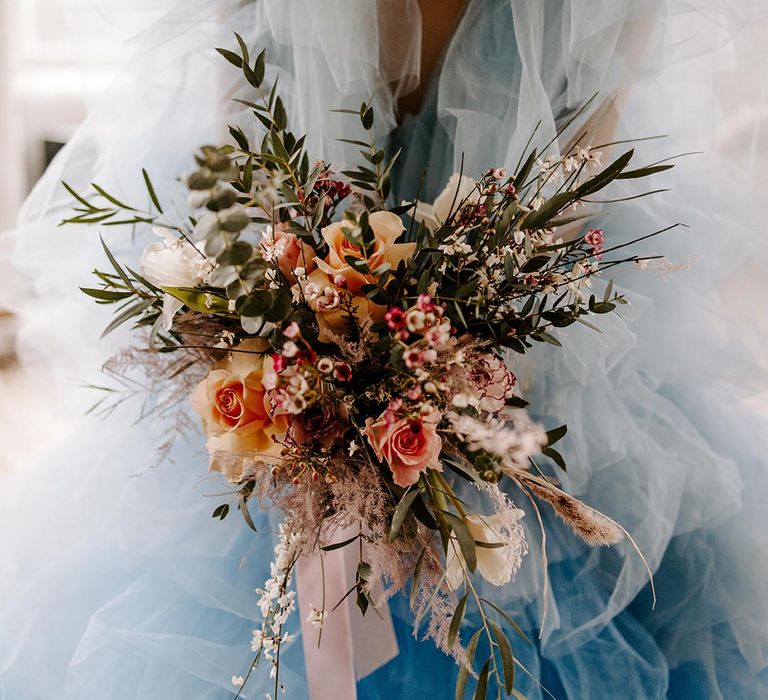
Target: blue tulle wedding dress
x,y
117,584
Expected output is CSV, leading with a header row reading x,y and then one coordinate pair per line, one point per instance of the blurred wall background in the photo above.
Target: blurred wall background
x,y
55,59
56,56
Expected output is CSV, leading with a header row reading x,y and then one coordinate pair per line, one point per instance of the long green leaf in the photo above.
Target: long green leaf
x,y
604,178
463,677
508,619
151,190
110,198
246,513
643,172
129,313
115,265
106,294
522,175
507,657
232,57
78,197
88,219
402,510
458,616
465,539
201,302
481,692
339,545
243,48
550,208
417,577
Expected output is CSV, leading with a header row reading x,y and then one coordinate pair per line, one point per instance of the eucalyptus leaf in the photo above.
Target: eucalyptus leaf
x,y
257,303
238,253
281,306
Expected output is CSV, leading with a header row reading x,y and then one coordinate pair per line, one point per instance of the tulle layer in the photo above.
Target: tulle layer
x,y
123,586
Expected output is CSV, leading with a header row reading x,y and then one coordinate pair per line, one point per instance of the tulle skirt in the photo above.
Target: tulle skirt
x,y
117,583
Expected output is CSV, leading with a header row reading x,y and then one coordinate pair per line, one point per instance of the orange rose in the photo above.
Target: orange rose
x,y
386,228
236,407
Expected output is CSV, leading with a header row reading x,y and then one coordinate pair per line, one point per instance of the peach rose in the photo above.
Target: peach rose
x,y
325,298
236,407
386,228
409,445
293,253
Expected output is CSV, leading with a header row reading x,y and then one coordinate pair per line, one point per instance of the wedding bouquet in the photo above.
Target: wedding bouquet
x,y
350,359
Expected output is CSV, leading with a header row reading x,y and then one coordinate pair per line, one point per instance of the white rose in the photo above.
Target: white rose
x,y
173,262
460,189
495,564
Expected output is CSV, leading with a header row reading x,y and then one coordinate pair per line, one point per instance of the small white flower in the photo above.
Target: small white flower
x,y
591,157
312,291
415,320
238,681
271,248
328,300
316,617
353,447
292,330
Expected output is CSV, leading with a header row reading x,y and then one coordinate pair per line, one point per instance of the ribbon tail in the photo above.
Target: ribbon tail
x,y
352,646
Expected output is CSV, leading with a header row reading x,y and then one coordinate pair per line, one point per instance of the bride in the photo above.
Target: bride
x,y
117,584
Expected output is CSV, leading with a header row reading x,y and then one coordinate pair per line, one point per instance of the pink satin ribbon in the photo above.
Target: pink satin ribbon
x,y
352,646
